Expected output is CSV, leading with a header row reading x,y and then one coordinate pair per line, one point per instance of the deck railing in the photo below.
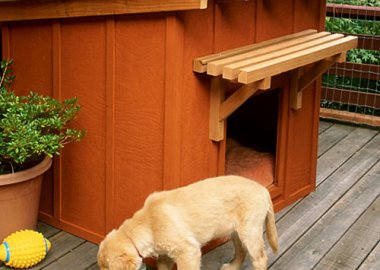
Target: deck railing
x,y
351,90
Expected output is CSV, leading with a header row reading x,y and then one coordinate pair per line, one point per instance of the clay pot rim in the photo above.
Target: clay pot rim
x,y
21,176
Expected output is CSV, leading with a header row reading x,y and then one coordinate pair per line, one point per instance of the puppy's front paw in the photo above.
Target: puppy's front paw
x,y
229,266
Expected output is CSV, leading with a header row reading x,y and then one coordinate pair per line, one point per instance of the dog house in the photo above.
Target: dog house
x,y
160,95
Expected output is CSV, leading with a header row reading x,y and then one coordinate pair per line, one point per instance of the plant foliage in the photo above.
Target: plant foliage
x,y
372,3
32,126
354,25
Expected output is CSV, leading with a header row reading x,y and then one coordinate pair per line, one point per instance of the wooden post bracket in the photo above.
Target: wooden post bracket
x,y
302,77
306,55
220,108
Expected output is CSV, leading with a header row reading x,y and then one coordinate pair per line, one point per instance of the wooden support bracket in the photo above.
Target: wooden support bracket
x,y
220,108
302,77
216,128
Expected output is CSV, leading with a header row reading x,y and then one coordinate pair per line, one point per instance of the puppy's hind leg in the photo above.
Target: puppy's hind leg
x,y
189,260
252,239
240,253
164,263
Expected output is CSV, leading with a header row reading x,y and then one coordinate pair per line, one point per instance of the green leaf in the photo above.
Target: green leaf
x,y
34,125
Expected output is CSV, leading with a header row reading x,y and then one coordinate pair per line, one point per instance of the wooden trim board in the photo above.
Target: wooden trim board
x,y
42,9
350,117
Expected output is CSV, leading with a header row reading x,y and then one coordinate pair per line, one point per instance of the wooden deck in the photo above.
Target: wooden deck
x,y
336,227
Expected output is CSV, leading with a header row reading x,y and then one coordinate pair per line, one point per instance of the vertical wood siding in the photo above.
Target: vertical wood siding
x,y
145,111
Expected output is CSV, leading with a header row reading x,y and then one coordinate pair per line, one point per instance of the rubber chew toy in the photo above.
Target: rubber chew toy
x,y
24,249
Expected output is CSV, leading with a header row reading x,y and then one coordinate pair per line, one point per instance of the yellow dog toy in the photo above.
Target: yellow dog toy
x,y
24,249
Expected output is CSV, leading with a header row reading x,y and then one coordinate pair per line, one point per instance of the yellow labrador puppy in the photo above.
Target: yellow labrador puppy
x,y
173,226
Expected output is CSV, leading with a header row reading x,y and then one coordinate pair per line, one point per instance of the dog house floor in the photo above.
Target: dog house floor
x,y
336,227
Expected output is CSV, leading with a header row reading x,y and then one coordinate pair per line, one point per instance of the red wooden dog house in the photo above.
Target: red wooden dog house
x,y
147,112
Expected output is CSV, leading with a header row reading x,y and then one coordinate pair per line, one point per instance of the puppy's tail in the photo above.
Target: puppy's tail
x,y
271,229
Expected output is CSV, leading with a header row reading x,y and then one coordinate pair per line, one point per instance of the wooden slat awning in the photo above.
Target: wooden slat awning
x,y
255,65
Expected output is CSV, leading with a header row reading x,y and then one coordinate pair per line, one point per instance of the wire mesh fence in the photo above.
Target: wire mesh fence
x,y
351,90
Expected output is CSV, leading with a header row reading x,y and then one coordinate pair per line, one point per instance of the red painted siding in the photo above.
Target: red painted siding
x,y
145,111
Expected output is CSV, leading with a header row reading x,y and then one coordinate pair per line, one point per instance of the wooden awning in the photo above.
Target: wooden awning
x,y
254,65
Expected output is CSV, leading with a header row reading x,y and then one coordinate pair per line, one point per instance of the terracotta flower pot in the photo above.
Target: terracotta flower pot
x,y
20,197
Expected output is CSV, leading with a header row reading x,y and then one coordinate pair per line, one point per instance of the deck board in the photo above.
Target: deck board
x,y
331,136
323,125
327,231
81,257
328,193
364,234
342,151
335,227
372,262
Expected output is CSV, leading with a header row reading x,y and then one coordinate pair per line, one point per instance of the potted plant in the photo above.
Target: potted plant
x,y
33,128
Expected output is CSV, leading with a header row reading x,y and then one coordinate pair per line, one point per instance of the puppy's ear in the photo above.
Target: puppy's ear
x,y
125,262
132,263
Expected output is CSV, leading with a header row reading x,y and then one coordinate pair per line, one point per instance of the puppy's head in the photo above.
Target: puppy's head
x,y
117,252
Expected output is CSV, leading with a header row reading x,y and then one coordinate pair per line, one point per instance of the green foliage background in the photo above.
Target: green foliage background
x,y
372,3
354,26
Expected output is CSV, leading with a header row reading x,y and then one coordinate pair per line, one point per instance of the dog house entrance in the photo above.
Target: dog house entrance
x,y
251,143
253,118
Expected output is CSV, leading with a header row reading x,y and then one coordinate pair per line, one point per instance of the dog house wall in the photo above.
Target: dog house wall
x,y
145,111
